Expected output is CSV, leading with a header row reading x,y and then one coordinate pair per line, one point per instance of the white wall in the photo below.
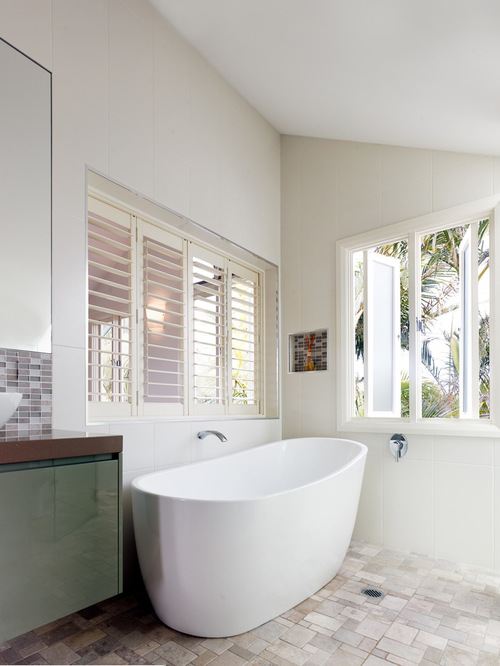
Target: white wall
x,y
132,100
443,499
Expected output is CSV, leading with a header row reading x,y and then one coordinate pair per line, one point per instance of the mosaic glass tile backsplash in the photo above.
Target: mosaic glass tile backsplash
x,y
315,342
29,373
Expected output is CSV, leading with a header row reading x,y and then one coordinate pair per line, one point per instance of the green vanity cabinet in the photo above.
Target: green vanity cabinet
x,y
60,538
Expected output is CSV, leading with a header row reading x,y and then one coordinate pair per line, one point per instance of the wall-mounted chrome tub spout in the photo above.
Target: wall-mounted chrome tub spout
x,y
398,446
204,433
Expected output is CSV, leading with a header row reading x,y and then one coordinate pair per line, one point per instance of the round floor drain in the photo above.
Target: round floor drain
x,y
373,593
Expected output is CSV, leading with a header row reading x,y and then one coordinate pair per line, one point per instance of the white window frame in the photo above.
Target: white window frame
x,y
410,230
141,226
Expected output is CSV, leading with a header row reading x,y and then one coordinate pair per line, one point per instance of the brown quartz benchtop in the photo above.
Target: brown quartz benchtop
x,y
27,447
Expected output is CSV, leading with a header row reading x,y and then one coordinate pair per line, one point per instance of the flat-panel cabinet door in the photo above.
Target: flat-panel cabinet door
x,y
59,544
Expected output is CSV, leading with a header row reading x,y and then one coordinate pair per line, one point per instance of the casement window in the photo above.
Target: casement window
x,y
416,324
174,326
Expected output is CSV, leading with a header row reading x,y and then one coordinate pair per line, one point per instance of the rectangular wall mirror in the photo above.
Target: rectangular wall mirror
x,y
25,202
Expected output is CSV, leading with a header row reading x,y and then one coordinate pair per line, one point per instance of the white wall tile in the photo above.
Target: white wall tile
x,y
420,447
141,11
496,510
205,128
411,199
34,36
131,155
359,172
69,268
369,520
130,69
401,166
174,443
408,505
206,204
472,180
79,137
130,561
496,174
171,100
318,414
292,414
444,160
138,444
317,282
360,216
77,25
98,428
467,450
171,181
463,515
377,444
318,178
69,387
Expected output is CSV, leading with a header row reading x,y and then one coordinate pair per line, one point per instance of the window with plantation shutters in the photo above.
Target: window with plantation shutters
x,y
208,330
164,316
174,326
245,331
110,287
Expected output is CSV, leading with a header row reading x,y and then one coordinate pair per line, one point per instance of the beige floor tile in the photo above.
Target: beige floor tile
x,y
269,631
457,657
372,628
375,661
59,654
176,654
228,659
402,633
412,654
298,636
426,638
289,652
204,658
217,645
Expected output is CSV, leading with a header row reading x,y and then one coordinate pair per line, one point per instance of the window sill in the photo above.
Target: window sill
x,y
177,419
436,427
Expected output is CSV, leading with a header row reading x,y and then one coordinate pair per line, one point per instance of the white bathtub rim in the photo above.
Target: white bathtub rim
x,y
136,483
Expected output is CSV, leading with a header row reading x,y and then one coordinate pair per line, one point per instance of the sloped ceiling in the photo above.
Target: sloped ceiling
x,y
420,73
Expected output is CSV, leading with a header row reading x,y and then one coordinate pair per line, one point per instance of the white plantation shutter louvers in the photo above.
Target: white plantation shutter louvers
x,y
209,330
245,331
164,312
110,262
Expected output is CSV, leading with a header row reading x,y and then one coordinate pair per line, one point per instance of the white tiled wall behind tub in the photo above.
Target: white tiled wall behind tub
x,y
443,498
134,101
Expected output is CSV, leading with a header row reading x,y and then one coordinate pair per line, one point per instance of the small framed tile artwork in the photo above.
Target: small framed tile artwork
x,y
308,352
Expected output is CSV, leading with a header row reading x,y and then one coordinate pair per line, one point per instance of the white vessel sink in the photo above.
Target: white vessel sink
x,y
9,402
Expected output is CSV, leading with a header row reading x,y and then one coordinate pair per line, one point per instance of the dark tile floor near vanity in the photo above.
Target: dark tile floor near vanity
x,y
433,612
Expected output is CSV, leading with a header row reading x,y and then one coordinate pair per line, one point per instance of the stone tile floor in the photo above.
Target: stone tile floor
x,y
434,612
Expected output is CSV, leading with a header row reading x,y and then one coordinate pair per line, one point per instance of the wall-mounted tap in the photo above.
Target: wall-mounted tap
x,y
204,433
398,446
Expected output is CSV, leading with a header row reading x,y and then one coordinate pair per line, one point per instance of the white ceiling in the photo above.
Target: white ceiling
x,y
423,73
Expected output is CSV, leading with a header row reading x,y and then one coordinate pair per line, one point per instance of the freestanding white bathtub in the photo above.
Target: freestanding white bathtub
x,y
227,544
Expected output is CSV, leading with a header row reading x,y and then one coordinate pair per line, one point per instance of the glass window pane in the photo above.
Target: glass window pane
x,y
359,369
484,317
383,364
440,322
